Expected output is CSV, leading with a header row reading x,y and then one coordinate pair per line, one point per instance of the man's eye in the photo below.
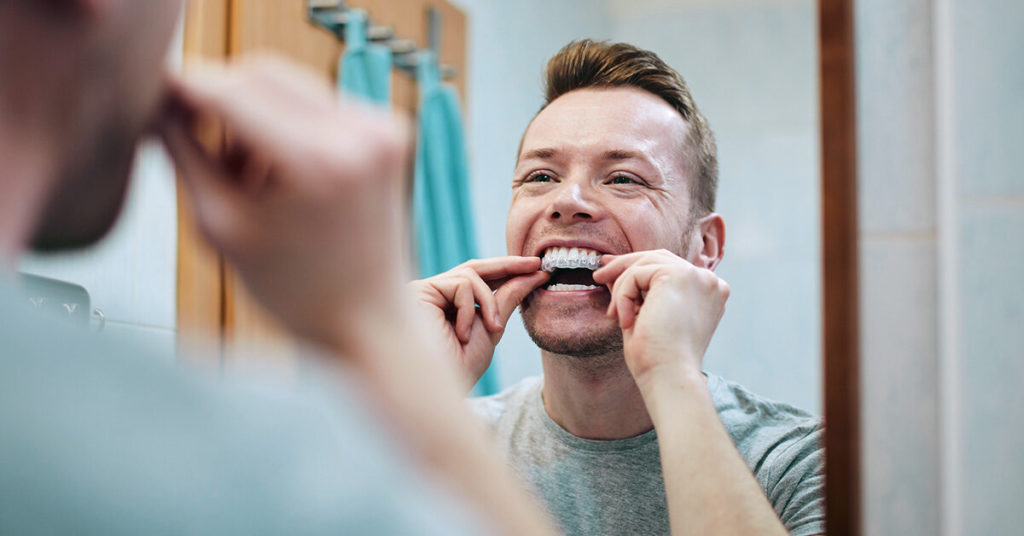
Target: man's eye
x,y
539,177
622,179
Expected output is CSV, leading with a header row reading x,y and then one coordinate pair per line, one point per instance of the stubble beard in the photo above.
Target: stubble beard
x,y
593,344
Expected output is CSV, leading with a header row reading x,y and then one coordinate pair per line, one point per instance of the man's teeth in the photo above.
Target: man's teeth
x,y
563,286
570,258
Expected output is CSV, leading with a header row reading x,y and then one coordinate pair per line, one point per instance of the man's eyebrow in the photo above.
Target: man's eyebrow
x,y
622,154
542,154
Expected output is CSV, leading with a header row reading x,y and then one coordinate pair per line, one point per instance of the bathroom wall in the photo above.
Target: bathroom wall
x,y
982,207
942,250
131,275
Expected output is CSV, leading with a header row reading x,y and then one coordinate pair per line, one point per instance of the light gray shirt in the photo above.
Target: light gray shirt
x,y
615,487
100,437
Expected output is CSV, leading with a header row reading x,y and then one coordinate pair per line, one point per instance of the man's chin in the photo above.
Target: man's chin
x,y
75,220
576,341
55,240
89,194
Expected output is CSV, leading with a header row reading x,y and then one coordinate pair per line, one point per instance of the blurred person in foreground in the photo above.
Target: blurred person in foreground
x,y
99,438
613,241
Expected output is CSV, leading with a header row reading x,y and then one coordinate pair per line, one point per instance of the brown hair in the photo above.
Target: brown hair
x,y
594,64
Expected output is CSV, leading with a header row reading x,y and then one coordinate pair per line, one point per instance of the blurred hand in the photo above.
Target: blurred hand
x,y
668,310
470,305
306,197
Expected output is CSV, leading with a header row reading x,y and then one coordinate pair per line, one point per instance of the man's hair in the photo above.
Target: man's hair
x,y
600,64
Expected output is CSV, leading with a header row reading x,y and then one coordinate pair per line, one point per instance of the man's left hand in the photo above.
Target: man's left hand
x,y
667,308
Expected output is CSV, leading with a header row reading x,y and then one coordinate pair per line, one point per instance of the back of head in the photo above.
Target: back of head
x,y
597,64
80,81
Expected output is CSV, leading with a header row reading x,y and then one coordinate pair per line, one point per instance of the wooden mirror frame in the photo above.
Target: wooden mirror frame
x,y
840,289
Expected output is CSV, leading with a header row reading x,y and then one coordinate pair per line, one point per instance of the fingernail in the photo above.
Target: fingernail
x,y
497,320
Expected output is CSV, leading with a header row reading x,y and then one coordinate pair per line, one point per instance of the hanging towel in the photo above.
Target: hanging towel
x,y
441,204
365,68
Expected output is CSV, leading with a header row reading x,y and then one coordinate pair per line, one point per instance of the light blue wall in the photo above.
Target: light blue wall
x,y
898,266
987,137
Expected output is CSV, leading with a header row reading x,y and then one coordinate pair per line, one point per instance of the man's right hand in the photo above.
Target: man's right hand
x,y
470,305
305,198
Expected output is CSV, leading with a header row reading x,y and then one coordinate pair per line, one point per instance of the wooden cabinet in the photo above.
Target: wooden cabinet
x,y
212,302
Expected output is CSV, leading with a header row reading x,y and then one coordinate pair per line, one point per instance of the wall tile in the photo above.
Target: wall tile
x,y
991,366
895,115
900,386
988,112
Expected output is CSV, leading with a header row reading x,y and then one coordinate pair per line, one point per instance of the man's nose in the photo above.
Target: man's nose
x,y
571,204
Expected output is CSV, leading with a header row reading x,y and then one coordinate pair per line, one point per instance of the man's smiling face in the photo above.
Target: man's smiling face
x,y
601,170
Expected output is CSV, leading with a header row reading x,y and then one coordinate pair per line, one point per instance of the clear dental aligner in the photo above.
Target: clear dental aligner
x,y
570,258
564,286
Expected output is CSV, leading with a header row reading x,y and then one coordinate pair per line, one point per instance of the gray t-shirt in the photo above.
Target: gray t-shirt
x,y
98,437
616,487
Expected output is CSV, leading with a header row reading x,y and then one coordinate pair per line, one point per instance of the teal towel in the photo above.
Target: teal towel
x,y
365,69
441,203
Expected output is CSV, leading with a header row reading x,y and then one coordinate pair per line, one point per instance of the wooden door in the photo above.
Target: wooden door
x,y
211,299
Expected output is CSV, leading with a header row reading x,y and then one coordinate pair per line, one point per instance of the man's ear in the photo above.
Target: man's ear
x,y
712,240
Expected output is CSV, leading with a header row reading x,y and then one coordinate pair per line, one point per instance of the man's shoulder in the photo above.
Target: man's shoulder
x,y
739,406
783,446
511,401
765,431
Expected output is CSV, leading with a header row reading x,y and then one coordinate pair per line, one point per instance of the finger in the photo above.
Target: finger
x,y
513,292
466,311
629,289
252,111
488,303
612,266
443,290
251,169
214,198
503,267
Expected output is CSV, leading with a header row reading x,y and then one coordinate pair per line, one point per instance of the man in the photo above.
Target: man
x,y
613,241
98,437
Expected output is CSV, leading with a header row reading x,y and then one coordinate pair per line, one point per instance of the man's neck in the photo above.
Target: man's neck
x,y
593,398
26,170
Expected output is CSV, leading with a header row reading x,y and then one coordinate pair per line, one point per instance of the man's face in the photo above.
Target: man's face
x,y
115,63
602,170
